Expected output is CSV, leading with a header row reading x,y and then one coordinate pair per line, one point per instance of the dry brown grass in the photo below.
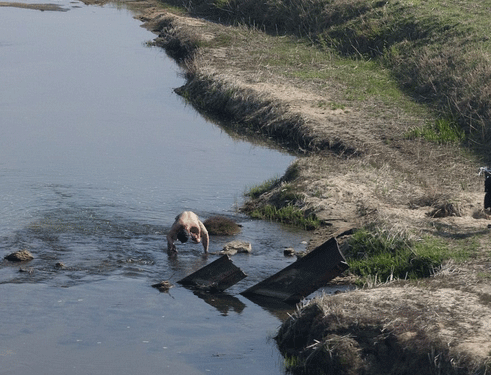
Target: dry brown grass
x,y
389,330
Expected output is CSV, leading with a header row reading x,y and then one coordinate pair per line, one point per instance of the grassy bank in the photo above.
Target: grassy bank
x,y
248,113
284,202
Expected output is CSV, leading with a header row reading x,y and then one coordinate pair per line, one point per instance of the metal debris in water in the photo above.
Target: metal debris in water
x,y
304,276
216,276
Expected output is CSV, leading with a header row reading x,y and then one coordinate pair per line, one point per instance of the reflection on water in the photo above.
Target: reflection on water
x,y
122,326
224,303
97,157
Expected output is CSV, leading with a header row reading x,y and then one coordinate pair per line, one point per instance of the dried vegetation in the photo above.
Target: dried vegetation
x,y
388,330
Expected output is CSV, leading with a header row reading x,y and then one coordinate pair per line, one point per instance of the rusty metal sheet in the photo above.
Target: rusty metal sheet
x,y
216,276
304,276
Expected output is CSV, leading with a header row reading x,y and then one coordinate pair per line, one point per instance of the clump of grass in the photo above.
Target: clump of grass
x,y
291,361
291,173
287,195
441,205
257,190
387,254
431,199
288,214
277,199
442,131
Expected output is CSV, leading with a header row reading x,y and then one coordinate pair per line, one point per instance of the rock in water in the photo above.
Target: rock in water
x,y
28,270
289,252
221,226
234,247
20,256
228,251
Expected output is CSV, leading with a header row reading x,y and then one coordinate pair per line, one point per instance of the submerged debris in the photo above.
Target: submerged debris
x,y
216,276
304,276
28,270
234,247
163,286
289,252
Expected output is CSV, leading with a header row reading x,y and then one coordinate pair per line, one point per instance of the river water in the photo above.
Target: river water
x,y
97,157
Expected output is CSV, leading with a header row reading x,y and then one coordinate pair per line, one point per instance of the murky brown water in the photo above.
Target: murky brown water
x,y
97,157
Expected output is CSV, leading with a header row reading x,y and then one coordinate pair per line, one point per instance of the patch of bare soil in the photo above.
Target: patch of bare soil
x,y
444,321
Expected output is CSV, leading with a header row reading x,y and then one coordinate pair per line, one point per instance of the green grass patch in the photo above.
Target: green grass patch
x,y
257,190
330,105
384,255
358,80
291,362
287,215
283,199
173,8
442,131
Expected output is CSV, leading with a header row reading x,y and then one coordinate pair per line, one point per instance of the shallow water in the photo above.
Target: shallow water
x,y
97,157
